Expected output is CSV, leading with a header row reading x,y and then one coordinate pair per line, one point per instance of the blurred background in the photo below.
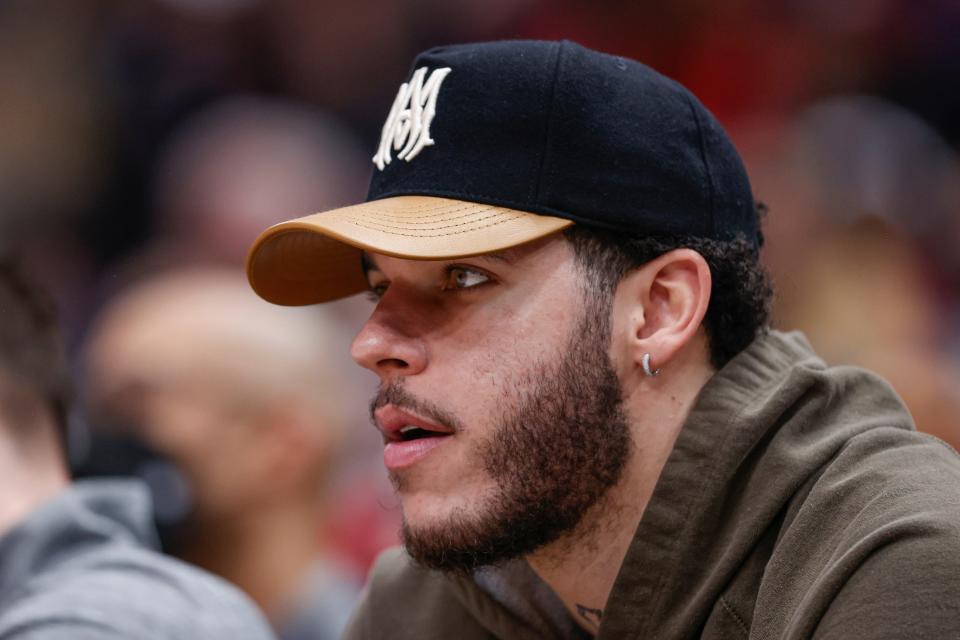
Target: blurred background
x,y
145,143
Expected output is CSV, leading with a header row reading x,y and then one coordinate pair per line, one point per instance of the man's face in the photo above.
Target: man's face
x,y
499,406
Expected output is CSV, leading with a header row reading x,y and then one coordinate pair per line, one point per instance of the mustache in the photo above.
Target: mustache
x,y
395,394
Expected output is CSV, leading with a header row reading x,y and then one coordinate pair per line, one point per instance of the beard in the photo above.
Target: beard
x,y
561,442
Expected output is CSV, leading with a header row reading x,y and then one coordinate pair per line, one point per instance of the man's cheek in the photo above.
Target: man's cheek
x,y
498,368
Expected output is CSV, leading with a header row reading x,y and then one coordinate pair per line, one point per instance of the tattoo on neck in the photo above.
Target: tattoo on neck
x,y
593,616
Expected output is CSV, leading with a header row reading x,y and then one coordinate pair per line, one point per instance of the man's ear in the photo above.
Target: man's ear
x,y
660,307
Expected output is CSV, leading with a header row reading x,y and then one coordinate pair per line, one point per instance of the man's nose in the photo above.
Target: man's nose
x,y
389,345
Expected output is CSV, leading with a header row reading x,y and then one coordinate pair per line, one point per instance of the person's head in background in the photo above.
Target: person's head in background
x,y
245,163
243,398
34,393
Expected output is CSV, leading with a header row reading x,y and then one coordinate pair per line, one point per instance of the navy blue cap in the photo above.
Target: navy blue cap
x,y
548,128
558,129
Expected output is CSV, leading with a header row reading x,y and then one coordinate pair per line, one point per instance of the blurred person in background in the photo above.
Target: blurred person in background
x,y
864,298
229,169
877,188
245,401
77,560
239,164
232,168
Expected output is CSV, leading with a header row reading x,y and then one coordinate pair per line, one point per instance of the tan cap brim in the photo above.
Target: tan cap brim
x,y
317,258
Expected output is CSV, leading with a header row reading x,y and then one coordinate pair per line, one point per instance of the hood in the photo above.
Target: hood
x,y
760,428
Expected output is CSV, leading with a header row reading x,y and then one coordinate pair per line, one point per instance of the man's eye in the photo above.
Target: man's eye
x,y
375,292
464,278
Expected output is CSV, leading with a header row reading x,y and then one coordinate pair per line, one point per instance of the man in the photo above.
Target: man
x,y
589,427
244,400
76,560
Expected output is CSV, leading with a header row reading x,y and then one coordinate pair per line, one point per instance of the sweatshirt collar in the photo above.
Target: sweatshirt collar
x,y
684,541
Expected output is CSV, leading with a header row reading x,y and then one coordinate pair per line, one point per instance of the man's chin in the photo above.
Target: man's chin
x,y
426,516
461,541
440,549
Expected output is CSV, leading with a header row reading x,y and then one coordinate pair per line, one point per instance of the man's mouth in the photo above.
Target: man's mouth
x,y
411,432
407,437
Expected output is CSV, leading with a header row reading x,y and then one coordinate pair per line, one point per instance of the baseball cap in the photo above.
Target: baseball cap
x,y
492,145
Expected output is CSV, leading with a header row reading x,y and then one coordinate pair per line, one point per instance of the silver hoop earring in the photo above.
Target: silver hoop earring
x,y
646,367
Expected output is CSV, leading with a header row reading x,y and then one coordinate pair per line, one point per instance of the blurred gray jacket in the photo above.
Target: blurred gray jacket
x,y
82,566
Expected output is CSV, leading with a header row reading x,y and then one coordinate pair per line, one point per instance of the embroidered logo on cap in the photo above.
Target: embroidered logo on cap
x,y
407,128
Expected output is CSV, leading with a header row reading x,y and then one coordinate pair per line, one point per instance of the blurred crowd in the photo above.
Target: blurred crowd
x,y
145,143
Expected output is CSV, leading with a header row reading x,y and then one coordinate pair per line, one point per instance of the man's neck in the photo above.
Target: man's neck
x,y
581,567
27,480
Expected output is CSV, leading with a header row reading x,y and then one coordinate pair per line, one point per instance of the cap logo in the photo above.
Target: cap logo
x,y
407,129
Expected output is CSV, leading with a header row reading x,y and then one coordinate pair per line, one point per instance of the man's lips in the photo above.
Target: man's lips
x,y
395,423
407,436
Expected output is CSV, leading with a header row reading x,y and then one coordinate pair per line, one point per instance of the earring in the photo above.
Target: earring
x,y
646,367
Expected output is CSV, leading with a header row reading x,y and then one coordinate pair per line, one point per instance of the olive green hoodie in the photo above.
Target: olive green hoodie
x,y
798,502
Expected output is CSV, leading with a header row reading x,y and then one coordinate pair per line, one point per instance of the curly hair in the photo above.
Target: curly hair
x,y
739,307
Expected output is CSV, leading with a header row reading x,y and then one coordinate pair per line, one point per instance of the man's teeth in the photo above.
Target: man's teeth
x,y
409,427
